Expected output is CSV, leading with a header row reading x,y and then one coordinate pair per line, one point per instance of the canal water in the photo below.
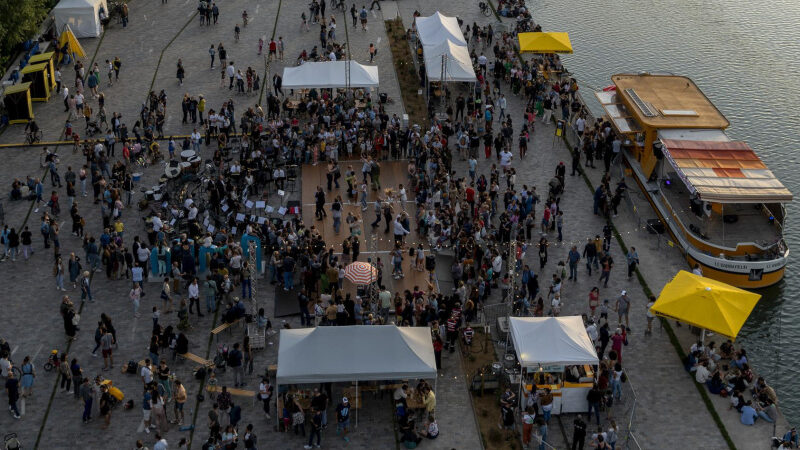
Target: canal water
x,y
744,56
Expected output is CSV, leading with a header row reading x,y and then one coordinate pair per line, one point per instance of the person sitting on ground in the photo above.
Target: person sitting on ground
x,y
791,438
749,414
739,359
431,429
410,438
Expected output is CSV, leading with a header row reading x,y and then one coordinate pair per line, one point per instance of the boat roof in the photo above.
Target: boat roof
x,y
667,101
724,171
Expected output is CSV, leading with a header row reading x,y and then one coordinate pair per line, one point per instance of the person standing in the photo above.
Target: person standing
x,y
343,419
194,297
316,427
633,261
106,341
650,315
622,308
12,390
180,400
363,16
573,257
235,362
28,377
578,433
88,399
265,391
136,296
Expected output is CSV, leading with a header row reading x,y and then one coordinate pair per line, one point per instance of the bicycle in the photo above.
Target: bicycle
x,y
244,19
485,9
32,137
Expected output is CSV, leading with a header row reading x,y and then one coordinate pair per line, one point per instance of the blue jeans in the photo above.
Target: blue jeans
x,y
364,200
314,432
154,358
337,223
546,414
288,280
616,389
211,302
87,409
247,290
573,271
543,433
764,416
596,407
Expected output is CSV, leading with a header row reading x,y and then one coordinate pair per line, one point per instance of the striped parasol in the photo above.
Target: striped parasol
x,y
361,273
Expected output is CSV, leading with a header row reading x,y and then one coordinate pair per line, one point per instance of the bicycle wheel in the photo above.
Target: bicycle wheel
x,y
38,136
487,11
48,366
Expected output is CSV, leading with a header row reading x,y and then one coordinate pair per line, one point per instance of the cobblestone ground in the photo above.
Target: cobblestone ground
x,y
667,406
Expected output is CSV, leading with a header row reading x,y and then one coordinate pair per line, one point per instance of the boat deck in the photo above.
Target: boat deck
x,y
751,226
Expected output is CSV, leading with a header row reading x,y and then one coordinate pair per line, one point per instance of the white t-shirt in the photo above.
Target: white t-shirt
x,y
701,375
505,158
5,365
147,374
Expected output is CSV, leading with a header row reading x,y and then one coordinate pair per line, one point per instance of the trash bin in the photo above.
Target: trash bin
x,y
384,96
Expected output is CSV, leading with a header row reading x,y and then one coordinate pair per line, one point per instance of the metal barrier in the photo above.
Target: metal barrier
x,y
626,436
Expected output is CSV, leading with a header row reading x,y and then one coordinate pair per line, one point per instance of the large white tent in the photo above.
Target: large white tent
x,y
552,341
329,74
83,16
355,353
457,63
438,28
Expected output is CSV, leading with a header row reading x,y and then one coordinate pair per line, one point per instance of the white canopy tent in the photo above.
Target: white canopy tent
x,y
552,341
83,16
438,28
355,353
550,344
457,63
330,74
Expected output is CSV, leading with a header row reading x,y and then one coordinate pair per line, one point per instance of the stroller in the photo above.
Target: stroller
x,y
92,128
221,360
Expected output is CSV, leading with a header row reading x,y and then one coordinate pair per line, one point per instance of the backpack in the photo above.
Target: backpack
x,y
131,367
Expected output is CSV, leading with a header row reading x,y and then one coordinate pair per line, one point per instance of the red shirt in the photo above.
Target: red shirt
x,y
470,194
273,46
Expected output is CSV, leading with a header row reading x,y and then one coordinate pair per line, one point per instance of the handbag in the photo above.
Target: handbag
x,y
76,319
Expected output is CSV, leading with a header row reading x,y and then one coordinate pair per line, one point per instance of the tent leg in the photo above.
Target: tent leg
x,y
703,337
357,408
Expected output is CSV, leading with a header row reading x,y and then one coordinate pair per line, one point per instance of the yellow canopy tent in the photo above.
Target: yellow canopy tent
x,y
46,58
40,85
17,100
705,303
549,42
74,46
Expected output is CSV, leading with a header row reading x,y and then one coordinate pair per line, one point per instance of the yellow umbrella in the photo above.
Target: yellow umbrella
x,y
550,42
74,46
705,303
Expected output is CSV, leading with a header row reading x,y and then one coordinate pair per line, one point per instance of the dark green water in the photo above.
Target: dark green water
x,y
745,56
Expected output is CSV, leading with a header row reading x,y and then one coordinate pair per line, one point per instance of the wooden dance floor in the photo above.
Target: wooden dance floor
x,y
375,243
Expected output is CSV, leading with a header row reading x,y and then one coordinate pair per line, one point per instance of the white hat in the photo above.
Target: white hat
x,y
344,399
623,292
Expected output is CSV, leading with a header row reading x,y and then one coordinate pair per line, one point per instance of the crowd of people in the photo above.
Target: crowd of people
x,y
485,218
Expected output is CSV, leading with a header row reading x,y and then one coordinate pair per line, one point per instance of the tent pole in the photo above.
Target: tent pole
x,y
357,408
703,337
